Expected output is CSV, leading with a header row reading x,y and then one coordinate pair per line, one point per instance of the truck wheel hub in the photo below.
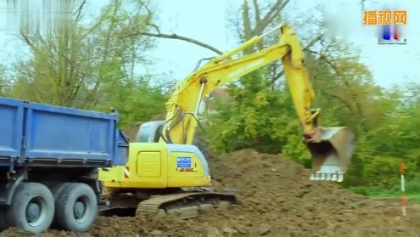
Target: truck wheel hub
x,y
33,212
79,209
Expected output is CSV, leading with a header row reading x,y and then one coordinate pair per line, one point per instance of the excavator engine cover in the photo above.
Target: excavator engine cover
x,y
331,154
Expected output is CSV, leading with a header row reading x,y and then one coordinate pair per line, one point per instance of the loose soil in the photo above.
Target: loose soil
x,y
276,199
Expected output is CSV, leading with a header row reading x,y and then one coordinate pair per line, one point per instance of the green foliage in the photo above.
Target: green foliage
x,y
382,119
92,66
412,188
257,118
262,116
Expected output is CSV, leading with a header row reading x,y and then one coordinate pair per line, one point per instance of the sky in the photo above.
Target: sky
x,y
390,64
206,21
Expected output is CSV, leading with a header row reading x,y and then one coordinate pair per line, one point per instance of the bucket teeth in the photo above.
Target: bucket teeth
x,y
334,177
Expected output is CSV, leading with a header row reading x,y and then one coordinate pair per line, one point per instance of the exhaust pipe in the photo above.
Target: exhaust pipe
x,y
331,153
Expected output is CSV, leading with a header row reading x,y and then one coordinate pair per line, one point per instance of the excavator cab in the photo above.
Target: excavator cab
x,y
149,132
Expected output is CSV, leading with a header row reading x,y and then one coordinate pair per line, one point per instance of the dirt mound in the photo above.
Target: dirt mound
x,y
277,199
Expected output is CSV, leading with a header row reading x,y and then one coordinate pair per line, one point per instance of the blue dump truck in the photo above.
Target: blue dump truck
x,y
47,157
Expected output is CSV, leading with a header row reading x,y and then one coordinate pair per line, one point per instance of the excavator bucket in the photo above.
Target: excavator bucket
x,y
331,154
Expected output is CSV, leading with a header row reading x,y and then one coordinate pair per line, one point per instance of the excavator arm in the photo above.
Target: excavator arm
x,y
183,105
331,148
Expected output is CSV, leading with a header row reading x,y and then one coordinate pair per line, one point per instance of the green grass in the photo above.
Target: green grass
x,y
412,191
413,197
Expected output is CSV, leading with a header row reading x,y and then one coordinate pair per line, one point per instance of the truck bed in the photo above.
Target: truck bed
x,y
40,134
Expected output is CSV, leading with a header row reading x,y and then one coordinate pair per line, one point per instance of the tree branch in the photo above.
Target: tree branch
x,y
277,7
349,87
273,12
257,11
131,32
246,23
178,37
78,12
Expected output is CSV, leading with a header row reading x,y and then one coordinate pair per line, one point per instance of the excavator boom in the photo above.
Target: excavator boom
x,y
331,148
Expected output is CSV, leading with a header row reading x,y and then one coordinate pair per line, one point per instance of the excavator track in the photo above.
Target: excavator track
x,y
186,204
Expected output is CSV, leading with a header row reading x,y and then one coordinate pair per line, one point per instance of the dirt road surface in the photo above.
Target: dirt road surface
x,y
276,199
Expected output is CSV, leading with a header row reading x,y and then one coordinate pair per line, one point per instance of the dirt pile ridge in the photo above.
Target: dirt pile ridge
x,y
276,199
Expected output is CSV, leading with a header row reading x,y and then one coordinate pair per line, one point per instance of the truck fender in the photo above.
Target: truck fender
x,y
7,193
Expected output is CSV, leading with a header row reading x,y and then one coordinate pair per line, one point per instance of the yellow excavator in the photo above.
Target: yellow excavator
x,y
166,174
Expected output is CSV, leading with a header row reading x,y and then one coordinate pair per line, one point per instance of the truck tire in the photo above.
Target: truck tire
x,y
76,207
56,189
32,208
